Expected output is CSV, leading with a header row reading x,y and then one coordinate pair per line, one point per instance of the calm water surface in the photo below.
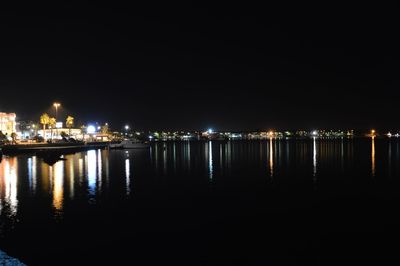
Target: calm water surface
x,y
275,202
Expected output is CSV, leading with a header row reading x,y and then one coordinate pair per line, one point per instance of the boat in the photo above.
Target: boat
x,y
129,144
115,145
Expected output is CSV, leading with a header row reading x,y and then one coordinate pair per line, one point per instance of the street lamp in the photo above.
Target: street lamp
x,y
126,129
56,105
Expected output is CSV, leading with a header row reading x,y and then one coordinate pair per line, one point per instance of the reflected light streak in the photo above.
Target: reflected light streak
x,y
99,169
32,174
271,158
128,176
314,157
210,160
71,179
80,168
58,185
8,186
91,172
390,158
373,156
165,158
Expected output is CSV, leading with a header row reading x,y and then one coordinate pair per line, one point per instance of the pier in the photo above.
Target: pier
x,y
59,147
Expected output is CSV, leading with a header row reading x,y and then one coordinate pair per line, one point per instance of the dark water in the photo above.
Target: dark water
x,y
314,202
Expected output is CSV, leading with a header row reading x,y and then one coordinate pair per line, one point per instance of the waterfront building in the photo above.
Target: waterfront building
x,y
76,133
7,123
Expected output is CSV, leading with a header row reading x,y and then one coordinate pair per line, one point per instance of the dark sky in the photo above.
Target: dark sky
x,y
186,66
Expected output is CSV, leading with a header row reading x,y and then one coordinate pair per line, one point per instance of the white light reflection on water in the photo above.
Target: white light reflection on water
x,y
314,158
128,176
373,156
100,170
71,175
210,160
58,185
271,158
80,169
32,174
91,172
8,185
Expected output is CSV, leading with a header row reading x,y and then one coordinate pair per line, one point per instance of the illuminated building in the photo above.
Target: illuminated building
x,y
7,123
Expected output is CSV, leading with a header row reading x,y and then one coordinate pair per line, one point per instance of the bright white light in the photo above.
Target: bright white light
x,y
91,129
315,133
210,131
59,124
126,127
99,127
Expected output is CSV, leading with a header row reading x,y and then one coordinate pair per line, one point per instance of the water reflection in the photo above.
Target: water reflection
x,y
314,159
210,160
128,176
71,176
92,172
32,174
58,185
8,185
271,158
100,170
373,156
390,158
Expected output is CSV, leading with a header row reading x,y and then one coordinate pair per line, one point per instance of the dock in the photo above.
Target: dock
x,y
56,147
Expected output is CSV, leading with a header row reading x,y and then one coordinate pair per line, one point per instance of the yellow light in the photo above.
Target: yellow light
x,y
56,105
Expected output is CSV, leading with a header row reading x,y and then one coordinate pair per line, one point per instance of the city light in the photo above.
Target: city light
x,y
91,129
126,127
314,133
210,131
56,105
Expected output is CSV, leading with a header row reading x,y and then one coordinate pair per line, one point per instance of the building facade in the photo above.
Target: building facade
x,y
7,123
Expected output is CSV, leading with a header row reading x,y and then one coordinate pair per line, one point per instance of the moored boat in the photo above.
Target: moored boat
x,y
129,144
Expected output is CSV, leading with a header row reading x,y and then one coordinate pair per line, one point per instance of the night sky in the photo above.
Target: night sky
x,y
226,66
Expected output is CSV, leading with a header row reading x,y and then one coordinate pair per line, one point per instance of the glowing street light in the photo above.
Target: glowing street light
x,y
210,131
91,129
126,129
56,105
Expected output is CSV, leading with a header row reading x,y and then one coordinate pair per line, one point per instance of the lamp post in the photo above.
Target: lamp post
x,y
126,129
56,105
